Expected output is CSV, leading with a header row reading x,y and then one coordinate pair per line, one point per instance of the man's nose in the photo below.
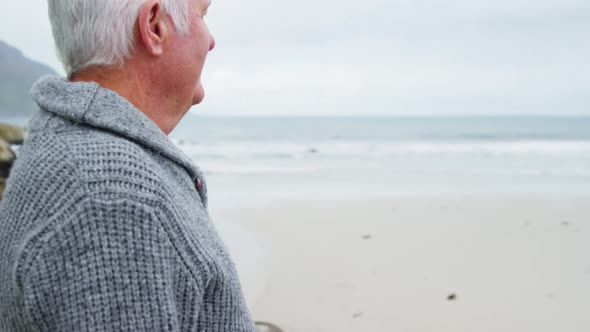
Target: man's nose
x,y
211,43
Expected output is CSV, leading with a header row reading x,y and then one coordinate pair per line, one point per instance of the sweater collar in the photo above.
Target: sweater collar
x,y
91,104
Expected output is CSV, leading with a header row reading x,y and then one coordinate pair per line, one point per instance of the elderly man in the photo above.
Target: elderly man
x,y
104,223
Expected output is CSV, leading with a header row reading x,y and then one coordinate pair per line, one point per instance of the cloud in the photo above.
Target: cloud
x,y
380,56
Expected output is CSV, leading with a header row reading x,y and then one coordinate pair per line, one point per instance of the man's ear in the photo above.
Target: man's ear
x,y
153,27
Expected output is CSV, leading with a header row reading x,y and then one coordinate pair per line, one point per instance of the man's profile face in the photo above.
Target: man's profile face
x,y
188,55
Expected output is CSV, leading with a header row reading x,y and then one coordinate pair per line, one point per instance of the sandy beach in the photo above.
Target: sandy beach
x,y
415,263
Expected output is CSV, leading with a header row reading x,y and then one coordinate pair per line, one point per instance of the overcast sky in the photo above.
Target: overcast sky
x,y
384,57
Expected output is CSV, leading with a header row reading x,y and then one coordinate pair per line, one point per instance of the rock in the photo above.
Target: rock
x,y
313,150
8,135
2,186
452,297
6,159
11,134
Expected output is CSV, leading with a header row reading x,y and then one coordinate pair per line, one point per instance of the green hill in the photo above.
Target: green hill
x,y
17,75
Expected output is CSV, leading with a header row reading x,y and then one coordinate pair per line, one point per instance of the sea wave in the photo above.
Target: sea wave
x,y
351,149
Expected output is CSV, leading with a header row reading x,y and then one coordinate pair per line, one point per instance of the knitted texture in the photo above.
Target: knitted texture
x,y
101,228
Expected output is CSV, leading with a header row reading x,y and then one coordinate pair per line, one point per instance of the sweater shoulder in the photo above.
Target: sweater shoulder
x,y
103,165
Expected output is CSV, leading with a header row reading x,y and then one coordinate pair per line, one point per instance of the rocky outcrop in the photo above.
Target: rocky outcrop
x,y
8,135
11,134
6,158
2,186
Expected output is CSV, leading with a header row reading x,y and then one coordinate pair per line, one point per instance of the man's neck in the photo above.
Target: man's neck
x,y
138,88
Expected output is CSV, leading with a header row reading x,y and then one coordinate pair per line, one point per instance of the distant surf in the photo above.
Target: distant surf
x,y
487,155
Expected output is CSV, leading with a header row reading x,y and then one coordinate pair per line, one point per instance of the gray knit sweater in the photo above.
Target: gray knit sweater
x,y
102,228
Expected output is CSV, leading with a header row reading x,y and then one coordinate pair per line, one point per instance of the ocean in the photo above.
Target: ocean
x,y
354,157
361,157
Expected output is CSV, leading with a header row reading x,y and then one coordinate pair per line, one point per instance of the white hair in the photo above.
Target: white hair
x,y
100,32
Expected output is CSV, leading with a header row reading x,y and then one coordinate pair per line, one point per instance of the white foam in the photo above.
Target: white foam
x,y
292,150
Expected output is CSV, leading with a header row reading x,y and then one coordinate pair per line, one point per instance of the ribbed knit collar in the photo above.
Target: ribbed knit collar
x,y
91,104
